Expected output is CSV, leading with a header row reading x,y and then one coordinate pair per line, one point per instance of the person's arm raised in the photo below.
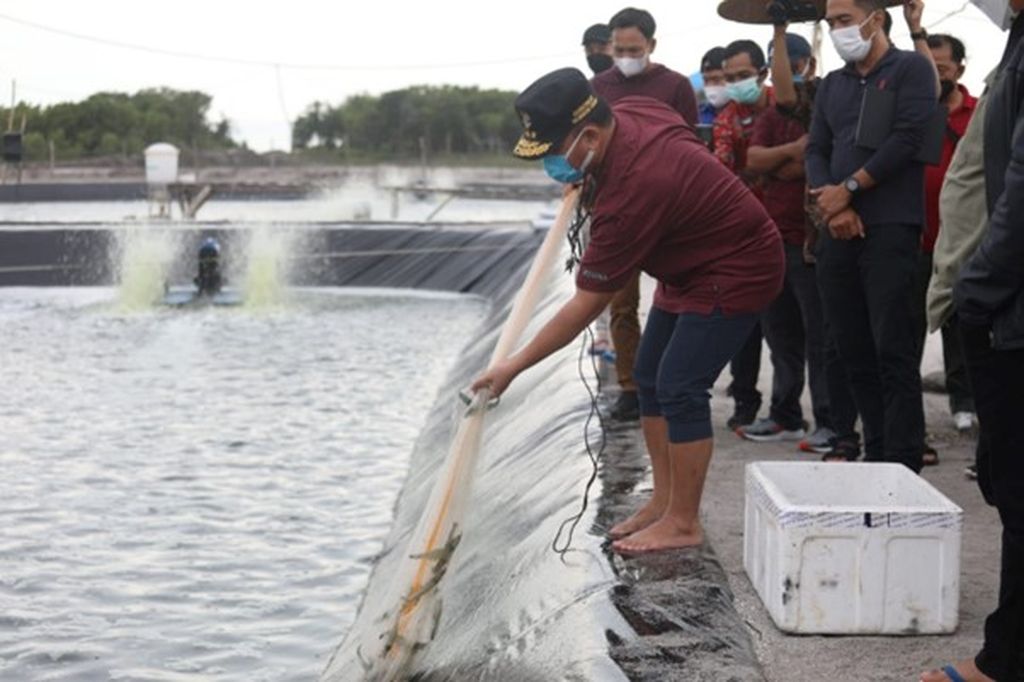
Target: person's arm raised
x,y
913,12
782,70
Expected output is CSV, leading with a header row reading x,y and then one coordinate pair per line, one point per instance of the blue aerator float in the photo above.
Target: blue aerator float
x,y
208,286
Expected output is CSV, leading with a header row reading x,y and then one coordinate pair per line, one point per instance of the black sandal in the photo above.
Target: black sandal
x,y
930,457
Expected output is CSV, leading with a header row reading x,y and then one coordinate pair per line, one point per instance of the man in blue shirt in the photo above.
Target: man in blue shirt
x,y
870,204
713,76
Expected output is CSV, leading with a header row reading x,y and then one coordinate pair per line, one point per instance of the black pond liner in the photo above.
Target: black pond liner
x,y
512,609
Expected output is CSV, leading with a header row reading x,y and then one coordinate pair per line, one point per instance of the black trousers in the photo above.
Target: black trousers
x,y
794,328
957,386
997,378
864,286
745,368
842,407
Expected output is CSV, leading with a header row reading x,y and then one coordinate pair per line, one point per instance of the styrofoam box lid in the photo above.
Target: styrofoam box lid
x,y
861,487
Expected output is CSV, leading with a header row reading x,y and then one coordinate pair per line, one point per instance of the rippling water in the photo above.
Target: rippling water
x,y
200,494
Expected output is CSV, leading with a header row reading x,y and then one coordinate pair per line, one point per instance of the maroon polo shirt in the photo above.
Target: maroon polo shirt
x,y
667,206
658,82
784,199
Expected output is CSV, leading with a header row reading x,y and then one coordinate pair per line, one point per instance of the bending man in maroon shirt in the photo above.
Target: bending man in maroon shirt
x,y
634,74
664,205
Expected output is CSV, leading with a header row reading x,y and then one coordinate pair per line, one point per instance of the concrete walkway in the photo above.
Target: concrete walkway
x,y
788,658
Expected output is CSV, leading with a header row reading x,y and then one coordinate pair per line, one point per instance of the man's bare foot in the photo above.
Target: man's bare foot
x,y
648,514
967,670
664,534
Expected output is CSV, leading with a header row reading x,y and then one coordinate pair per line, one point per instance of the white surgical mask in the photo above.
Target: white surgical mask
x,y
849,43
717,95
998,11
631,66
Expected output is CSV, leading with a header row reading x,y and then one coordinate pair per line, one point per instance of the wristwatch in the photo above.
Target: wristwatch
x,y
919,35
851,185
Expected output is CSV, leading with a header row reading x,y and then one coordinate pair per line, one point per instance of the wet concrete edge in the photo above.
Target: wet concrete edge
x,y
679,604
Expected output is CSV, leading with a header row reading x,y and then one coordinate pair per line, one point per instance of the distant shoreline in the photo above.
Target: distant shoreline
x,y
285,182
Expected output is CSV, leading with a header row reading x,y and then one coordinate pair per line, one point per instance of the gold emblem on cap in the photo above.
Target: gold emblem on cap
x,y
530,149
589,104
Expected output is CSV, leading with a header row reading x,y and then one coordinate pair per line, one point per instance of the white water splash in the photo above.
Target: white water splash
x,y
267,264
144,257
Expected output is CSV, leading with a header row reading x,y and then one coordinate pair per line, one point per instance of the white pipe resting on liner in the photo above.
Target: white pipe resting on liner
x,y
408,619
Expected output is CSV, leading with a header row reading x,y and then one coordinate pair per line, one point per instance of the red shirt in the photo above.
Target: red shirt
x,y
784,199
665,206
658,82
732,130
934,175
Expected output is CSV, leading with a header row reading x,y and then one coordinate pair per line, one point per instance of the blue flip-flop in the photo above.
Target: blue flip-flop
x,y
952,674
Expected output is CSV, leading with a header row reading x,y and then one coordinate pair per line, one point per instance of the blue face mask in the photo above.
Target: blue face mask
x,y
746,91
802,76
559,169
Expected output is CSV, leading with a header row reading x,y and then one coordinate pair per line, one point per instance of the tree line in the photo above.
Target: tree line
x,y
119,124
447,120
432,120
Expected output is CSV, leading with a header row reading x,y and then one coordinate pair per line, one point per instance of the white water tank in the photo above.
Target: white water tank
x,y
161,164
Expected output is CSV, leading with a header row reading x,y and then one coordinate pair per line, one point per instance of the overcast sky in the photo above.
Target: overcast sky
x,y
376,46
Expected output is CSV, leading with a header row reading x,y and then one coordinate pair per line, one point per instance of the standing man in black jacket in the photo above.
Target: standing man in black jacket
x,y
872,202
989,299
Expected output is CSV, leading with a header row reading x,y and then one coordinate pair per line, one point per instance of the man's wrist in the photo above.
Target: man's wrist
x,y
851,186
918,33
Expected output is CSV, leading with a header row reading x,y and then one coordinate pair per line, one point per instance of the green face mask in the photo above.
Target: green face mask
x,y
746,91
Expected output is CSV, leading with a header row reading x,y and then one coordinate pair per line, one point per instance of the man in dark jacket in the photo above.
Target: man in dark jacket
x,y
989,299
872,201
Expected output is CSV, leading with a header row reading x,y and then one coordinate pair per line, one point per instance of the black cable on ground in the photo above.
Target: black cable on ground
x,y
575,236
595,457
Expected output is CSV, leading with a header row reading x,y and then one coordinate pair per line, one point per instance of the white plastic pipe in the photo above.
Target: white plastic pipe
x,y
413,607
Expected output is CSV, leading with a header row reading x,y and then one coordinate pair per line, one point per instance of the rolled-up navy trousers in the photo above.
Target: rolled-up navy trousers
x,y
679,360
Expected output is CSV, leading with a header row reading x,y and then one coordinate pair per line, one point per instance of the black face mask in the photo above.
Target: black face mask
x,y
599,62
947,89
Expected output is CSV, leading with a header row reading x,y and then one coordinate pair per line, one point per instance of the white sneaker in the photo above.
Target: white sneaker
x,y
964,421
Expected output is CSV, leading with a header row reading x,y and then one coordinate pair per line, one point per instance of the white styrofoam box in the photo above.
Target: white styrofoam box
x,y
858,548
